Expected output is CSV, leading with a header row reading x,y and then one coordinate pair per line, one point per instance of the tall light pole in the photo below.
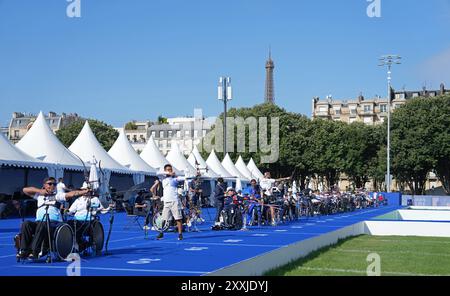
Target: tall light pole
x,y
224,94
389,60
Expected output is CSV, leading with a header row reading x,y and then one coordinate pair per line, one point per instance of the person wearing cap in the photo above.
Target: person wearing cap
x,y
34,233
172,204
230,202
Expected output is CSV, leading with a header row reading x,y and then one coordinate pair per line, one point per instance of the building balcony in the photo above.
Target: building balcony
x,y
322,113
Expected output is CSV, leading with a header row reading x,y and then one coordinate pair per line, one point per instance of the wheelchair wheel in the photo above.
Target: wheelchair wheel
x,y
159,223
63,241
98,237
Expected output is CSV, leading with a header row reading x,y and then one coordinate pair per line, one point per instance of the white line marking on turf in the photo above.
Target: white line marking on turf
x,y
232,240
6,256
143,261
392,252
196,249
260,234
281,230
362,271
118,269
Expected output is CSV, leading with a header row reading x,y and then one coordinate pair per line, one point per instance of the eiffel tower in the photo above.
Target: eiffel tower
x,y
269,94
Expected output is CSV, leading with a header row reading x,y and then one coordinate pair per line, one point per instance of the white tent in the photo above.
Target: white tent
x,y
177,159
40,142
18,169
214,163
124,153
228,164
12,156
87,147
196,160
152,156
240,165
256,173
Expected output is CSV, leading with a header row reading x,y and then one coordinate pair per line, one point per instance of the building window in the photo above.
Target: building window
x,y
323,109
154,134
337,111
169,145
383,108
169,134
161,134
18,122
134,139
141,138
16,134
367,108
187,133
400,96
128,137
178,134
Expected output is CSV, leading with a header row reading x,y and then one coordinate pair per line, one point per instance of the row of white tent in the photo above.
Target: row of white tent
x,y
40,148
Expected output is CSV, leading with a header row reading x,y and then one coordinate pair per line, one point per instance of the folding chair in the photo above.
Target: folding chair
x,y
133,216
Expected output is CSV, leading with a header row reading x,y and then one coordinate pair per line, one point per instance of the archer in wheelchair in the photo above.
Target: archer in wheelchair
x,y
48,234
89,233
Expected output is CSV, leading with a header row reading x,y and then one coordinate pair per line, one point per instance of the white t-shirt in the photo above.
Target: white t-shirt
x,y
267,185
53,211
61,187
170,188
79,208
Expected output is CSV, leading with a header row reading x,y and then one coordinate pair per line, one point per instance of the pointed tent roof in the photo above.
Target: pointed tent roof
x,y
86,146
152,156
11,155
40,142
240,165
124,153
229,166
177,159
205,169
254,170
214,163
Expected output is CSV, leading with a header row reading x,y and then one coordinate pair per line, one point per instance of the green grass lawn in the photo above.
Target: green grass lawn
x,y
399,256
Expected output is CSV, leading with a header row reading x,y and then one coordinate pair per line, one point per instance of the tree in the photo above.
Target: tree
x,y
292,140
162,120
326,150
104,133
362,147
440,133
413,143
131,126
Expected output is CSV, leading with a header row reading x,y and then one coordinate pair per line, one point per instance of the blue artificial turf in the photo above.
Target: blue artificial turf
x,y
198,254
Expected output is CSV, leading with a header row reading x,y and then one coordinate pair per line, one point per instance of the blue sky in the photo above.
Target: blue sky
x,y
125,60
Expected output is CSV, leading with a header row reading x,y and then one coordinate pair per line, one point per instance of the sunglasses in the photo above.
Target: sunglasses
x,y
51,184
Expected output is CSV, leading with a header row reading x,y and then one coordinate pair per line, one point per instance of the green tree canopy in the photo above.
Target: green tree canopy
x,y
104,133
421,141
162,119
130,126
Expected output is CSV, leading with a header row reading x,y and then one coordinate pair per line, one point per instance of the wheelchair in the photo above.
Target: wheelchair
x,y
92,237
62,243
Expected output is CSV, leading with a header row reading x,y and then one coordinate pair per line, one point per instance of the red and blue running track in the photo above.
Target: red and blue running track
x,y
198,254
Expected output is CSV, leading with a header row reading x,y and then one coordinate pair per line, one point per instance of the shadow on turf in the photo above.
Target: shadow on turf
x,y
281,271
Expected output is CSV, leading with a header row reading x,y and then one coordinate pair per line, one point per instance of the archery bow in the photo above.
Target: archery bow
x,y
111,212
